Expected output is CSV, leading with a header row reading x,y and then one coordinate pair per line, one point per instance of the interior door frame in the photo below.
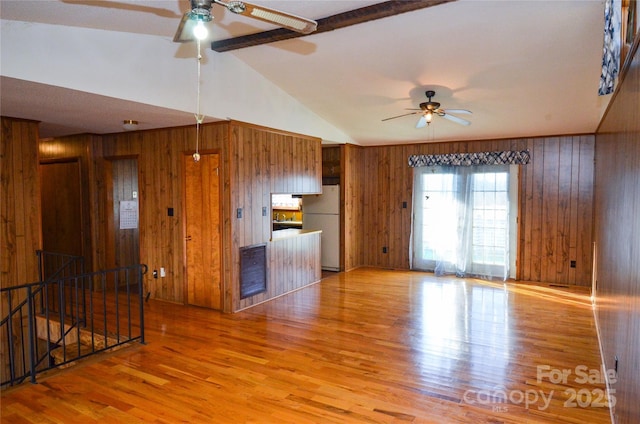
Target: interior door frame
x,y
184,223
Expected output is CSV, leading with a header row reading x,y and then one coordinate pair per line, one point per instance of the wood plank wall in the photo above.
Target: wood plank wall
x,y
266,161
20,232
20,225
160,184
617,239
292,263
353,195
556,215
255,162
555,204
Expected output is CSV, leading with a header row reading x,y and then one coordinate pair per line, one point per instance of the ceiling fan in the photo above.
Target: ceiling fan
x,y
200,13
431,108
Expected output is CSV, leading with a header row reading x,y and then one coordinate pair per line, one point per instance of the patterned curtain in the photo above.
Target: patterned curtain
x,y
510,157
611,46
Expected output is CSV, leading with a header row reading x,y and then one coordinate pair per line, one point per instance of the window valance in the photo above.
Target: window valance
x,y
509,157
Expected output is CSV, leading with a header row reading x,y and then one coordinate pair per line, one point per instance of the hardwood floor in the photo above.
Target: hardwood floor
x,y
364,346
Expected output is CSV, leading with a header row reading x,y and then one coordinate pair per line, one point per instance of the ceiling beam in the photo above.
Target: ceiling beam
x,y
330,23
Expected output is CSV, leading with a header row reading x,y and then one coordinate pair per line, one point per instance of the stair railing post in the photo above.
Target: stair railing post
x,y
12,355
40,255
141,300
32,342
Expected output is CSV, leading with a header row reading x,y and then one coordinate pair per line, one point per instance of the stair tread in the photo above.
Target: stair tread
x,y
70,352
98,339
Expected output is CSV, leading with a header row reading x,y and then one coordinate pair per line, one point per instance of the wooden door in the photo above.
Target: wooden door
x,y
123,235
202,235
62,219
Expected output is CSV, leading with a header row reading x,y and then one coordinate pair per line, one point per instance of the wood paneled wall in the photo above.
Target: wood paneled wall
x,y
556,212
265,161
160,184
555,216
353,195
292,263
617,239
255,162
20,225
20,234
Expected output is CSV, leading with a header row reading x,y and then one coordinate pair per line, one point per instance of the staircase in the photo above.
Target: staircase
x,y
77,343
66,316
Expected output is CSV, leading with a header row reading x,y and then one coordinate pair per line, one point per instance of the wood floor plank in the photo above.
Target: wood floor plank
x,y
367,346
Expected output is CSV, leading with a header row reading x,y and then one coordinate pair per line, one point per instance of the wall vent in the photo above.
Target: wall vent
x,y
253,270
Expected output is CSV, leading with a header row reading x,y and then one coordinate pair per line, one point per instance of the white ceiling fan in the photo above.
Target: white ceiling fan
x,y
430,108
200,13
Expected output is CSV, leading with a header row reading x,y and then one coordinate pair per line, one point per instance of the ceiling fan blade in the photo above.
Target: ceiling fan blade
x,y
422,122
184,32
465,111
266,14
456,119
400,116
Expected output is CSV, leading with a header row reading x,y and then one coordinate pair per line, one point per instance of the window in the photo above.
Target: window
x,y
285,201
463,220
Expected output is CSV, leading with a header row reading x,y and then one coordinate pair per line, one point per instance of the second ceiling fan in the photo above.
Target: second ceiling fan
x,y
429,109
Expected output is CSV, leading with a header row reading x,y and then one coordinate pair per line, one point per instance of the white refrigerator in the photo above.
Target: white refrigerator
x,y
322,212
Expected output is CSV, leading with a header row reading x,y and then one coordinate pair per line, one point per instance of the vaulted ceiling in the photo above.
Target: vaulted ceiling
x,y
524,68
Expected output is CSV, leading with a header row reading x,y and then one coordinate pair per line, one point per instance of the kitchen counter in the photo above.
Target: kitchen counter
x,y
293,262
291,232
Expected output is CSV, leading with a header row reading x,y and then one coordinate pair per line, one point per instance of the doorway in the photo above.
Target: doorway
x,y
202,231
464,220
62,218
123,234
65,223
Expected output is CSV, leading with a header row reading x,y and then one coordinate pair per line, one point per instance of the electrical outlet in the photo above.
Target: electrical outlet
x,y
162,273
264,211
573,264
239,213
384,249
155,273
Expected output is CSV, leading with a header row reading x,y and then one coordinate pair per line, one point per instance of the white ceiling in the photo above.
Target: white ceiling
x,y
525,68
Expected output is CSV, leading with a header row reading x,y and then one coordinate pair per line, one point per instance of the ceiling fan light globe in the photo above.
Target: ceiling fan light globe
x,y
200,31
428,116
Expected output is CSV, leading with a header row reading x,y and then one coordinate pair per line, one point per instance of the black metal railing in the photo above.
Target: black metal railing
x,y
53,267
67,317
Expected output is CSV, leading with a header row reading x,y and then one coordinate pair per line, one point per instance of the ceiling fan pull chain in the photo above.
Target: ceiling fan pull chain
x,y
198,115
